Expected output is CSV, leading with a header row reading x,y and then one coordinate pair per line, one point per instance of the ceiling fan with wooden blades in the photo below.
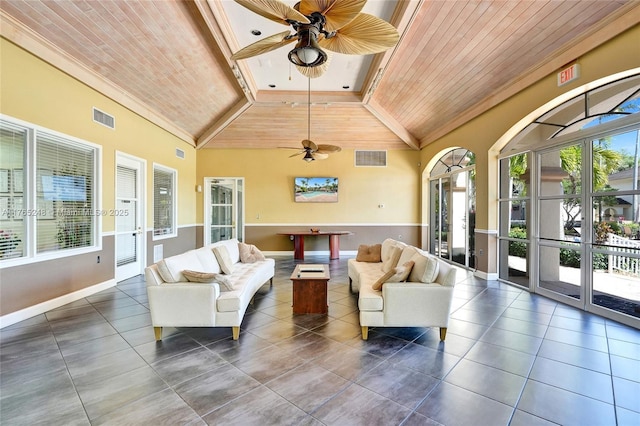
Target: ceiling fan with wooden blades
x,y
313,152
310,149
334,25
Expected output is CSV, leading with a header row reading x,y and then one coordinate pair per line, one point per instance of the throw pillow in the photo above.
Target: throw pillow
x,y
398,274
431,270
369,254
249,253
383,279
392,261
208,277
224,259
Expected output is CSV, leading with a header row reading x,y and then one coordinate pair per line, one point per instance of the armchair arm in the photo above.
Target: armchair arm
x,y
183,304
416,304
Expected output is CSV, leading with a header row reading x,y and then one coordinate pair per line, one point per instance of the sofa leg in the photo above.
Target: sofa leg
x,y
443,333
365,332
158,332
236,332
271,282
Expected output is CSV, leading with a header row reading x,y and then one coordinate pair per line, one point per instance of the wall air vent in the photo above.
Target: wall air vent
x,y
371,158
179,153
103,118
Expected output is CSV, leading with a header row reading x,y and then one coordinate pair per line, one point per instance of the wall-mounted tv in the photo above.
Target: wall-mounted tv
x,y
64,188
316,189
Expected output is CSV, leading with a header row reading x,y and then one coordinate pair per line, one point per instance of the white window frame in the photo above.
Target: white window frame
x,y
174,182
29,182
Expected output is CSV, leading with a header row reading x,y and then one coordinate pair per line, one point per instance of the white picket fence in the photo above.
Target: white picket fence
x,y
623,263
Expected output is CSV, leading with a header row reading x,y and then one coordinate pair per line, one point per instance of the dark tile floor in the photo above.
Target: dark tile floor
x,y
510,358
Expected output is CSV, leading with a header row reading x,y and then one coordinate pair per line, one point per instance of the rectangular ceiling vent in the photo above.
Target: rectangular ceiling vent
x,y
103,118
371,158
179,153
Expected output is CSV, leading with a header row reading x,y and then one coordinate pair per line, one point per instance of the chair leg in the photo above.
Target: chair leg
x,y
236,332
365,332
158,332
443,333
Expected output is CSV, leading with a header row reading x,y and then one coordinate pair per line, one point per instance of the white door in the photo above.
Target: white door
x,y
130,243
224,212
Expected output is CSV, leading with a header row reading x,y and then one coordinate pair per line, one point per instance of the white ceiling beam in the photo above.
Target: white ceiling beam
x,y
392,124
217,127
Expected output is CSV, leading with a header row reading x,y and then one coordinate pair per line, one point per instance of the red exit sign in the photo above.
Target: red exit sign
x,y
568,74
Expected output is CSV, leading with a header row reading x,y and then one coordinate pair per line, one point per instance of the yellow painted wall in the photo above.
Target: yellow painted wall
x,y
269,175
34,91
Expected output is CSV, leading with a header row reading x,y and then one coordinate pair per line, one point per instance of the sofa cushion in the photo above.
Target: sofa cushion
x,y
407,254
232,248
224,259
170,268
386,247
209,277
208,260
392,261
431,270
249,253
398,274
370,254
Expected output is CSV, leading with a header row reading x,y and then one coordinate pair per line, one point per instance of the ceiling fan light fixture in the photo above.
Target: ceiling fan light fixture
x,y
307,53
308,157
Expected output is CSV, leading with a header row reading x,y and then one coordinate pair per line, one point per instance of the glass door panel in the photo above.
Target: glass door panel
x,y
445,185
560,269
457,236
224,209
560,211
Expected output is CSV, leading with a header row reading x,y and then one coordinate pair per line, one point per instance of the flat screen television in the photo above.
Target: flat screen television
x,y
316,189
64,188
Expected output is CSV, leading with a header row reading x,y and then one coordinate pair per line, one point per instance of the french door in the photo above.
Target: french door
x,y
128,215
224,209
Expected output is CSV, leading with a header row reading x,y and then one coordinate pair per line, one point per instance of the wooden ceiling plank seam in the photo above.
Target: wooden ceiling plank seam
x,y
453,81
414,47
485,67
457,87
451,57
624,18
23,37
220,29
404,14
489,67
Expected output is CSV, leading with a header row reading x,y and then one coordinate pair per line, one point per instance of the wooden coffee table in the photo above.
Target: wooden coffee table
x,y
310,288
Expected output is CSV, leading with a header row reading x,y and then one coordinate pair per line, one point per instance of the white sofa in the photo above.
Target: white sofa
x,y
176,302
412,303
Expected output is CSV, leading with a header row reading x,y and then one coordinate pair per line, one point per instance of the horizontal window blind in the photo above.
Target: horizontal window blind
x,y
13,141
64,192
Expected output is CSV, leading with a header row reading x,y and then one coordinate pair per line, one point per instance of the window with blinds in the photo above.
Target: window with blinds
x,y
64,186
13,141
164,201
47,197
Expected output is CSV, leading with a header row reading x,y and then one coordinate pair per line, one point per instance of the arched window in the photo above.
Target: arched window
x,y
452,207
575,172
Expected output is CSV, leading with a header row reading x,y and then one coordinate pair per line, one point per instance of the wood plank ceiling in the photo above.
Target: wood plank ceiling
x,y
169,62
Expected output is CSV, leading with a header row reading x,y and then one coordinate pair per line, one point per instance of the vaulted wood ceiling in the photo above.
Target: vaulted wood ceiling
x,y
170,62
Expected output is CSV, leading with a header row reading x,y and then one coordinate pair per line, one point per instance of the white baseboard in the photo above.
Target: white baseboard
x,y
41,308
485,276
